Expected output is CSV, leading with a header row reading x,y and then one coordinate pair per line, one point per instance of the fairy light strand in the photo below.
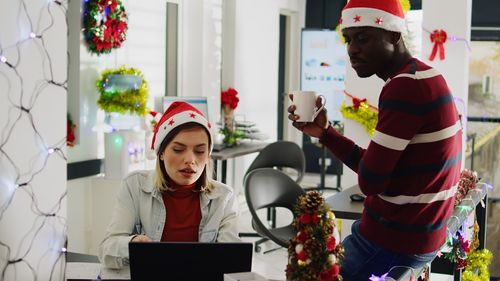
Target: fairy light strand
x,y
20,100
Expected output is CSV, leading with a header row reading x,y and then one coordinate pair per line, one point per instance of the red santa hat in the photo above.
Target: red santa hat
x,y
178,113
385,14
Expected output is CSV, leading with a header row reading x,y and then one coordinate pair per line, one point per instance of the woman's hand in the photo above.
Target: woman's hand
x,y
313,129
141,238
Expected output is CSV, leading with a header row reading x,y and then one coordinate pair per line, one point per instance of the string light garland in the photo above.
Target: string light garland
x,y
132,100
104,25
314,254
32,147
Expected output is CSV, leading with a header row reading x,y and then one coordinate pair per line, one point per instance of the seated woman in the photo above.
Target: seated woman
x,y
178,201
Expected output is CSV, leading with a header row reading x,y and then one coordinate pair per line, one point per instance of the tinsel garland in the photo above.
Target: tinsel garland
x,y
314,255
468,181
477,266
130,100
104,25
362,114
459,250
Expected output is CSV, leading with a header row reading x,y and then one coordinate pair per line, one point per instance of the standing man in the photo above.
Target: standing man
x,y
411,168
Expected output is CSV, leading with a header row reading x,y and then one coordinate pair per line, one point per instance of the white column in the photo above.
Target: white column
x,y
454,17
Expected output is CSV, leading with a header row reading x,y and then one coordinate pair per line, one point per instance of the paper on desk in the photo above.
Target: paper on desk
x,y
108,273
82,270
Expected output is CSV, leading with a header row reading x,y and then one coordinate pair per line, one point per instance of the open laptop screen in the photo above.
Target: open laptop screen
x,y
188,261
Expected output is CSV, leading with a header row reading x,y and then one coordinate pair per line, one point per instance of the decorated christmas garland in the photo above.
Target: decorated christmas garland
x,y
477,266
361,113
314,255
131,100
465,255
104,25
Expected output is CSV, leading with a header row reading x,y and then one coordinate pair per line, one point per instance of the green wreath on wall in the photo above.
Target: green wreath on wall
x,y
104,25
123,90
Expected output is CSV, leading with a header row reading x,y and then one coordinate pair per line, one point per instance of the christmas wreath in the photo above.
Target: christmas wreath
x,y
130,99
104,25
314,254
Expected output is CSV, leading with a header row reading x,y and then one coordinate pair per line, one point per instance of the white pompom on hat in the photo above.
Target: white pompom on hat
x,y
384,14
178,113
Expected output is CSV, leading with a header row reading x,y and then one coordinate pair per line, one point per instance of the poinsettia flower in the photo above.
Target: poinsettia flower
x,y
464,244
230,98
121,26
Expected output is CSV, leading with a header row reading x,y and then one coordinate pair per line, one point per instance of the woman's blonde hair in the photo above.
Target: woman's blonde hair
x,y
162,180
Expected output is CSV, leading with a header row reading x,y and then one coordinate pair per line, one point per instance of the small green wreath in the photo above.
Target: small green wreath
x,y
104,25
122,100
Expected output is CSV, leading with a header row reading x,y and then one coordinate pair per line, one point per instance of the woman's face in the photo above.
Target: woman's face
x,y
186,156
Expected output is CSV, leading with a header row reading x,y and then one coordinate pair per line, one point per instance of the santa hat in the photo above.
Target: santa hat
x,y
384,14
178,113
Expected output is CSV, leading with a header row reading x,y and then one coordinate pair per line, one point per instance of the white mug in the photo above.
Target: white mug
x,y
305,105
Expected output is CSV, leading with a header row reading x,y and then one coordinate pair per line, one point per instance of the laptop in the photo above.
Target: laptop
x,y
188,261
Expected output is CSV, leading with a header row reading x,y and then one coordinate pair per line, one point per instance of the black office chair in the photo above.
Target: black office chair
x,y
279,155
271,188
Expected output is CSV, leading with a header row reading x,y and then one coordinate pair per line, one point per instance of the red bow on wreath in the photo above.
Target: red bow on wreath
x,y
438,37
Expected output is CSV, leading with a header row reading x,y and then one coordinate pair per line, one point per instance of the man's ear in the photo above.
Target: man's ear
x,y
396,37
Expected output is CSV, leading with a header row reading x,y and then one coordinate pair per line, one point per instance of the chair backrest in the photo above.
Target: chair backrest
x,y
267,187
280,154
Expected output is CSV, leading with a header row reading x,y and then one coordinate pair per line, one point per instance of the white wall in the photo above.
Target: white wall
x,y
32,139
455,67
254,69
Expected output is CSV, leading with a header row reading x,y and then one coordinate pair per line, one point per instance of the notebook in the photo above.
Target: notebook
x,y
186,261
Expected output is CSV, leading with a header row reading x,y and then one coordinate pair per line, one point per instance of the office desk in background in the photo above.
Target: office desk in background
x,y
241,149
342,205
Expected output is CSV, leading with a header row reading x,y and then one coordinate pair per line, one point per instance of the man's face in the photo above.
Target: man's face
x,y
370,50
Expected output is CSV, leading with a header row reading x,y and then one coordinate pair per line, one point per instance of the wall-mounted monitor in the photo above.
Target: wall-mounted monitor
x,y
323,67
199,103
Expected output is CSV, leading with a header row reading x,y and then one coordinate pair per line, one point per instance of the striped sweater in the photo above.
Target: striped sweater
x,y
411,167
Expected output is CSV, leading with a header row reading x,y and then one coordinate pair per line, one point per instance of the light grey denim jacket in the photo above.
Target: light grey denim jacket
x,y
140,210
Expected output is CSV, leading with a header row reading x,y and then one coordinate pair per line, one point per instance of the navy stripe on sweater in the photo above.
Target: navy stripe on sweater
x,y
404,227
354,156
428,168
415,109
371,177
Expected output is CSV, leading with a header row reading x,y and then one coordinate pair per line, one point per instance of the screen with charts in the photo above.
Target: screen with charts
x,y
323,67
199,102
